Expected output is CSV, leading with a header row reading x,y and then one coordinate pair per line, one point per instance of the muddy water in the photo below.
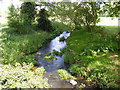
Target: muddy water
x,y
52,66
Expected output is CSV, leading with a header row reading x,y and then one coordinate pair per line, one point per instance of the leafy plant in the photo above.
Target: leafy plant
x,y
62,38
15,48
40,71
79,71
50,57
14,18
65,75
57,53
82,85
20,76
29,59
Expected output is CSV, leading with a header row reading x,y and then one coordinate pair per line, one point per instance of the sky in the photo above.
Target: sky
x,y
4,4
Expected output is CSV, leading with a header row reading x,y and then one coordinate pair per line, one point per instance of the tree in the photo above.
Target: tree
x,y
66,12
91,11
14,17
43,21
112,9
28,12
76,14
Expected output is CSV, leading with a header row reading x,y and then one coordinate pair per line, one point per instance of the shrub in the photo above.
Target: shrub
x,y
16,47
20,76
79,71
29,59
101,76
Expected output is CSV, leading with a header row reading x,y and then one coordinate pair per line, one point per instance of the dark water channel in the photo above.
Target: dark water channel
x,y
54,44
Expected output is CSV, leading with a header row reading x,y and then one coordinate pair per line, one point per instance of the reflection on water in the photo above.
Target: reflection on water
x,y
54,44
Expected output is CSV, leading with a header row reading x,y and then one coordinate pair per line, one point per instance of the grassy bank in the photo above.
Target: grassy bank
x,y
94,58
16,48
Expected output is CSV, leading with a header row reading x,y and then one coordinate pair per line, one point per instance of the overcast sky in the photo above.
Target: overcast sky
x,y
4,4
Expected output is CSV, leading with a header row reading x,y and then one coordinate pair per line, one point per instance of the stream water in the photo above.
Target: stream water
x,y
54,44
52,66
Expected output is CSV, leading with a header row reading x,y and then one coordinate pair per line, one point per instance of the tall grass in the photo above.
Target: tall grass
x,y
16,46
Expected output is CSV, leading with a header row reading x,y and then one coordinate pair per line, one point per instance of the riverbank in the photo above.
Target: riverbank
x,y
94,57
18,47
18,60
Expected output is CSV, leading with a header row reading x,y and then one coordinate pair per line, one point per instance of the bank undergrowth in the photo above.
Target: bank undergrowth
x,y
94,58
18,47
17,58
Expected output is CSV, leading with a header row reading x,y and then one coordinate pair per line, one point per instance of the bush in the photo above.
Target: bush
x,y
79,71
91,55
20,76
29,59
16,47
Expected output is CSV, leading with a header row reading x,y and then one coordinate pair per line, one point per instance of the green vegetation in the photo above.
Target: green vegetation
x,y
28,13
20,76
65,75
62,39
15,47
95,58
57,53
82,86
59,27
18,48
49,57
43,21
91,52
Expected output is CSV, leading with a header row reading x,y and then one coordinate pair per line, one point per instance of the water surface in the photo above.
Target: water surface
x,y
54,44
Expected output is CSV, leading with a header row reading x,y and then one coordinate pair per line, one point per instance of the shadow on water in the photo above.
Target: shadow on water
x,y
54,44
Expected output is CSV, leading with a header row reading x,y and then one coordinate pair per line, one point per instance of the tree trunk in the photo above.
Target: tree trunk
x,y
88,27
93,4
